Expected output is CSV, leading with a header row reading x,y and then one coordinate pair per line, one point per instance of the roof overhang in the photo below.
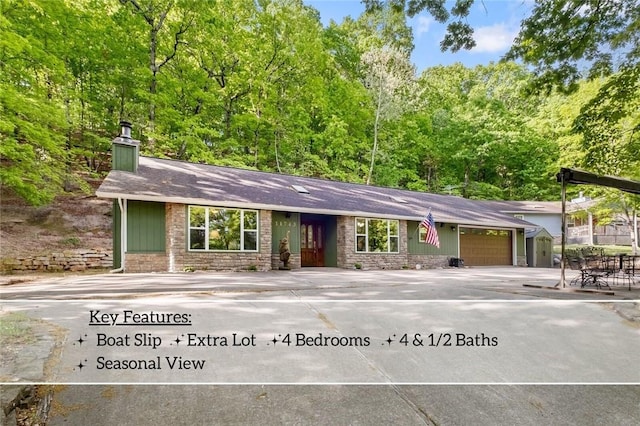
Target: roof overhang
x,y
298,209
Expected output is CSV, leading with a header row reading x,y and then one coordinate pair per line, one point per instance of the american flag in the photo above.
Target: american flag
x,y
432,233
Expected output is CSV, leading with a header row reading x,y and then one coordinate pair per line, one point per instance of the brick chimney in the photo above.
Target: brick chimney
x,y
125,151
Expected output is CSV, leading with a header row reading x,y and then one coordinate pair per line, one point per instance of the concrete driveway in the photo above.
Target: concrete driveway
x,y
545,339
332,283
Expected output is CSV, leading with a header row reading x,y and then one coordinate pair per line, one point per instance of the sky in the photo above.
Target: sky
x,y
495,22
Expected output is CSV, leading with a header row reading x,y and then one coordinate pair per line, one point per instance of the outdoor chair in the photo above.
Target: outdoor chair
x,y
629,271
576,263
598,268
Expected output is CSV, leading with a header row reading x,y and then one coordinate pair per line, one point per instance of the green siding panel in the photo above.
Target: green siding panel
x,y
117,236
520,242
280,224
448,240
124,157
331,242
145,227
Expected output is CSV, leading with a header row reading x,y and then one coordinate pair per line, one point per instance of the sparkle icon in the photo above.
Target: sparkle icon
x,y
81,340
81,365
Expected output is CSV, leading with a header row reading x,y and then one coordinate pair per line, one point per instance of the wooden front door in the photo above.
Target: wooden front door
x,y
312,243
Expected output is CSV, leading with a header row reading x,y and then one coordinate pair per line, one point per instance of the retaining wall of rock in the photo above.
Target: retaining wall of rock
x,y
68,260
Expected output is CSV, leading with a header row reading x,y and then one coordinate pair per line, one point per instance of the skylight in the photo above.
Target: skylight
x,y
300,189
398,200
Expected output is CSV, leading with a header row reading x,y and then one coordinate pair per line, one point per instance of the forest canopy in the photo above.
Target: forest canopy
x,y
262,84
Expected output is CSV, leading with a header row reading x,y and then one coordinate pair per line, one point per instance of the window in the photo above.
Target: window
x,y
219,229
377,235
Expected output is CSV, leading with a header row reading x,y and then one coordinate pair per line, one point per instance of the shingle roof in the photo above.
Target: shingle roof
x,y
189,183
540,207
536,231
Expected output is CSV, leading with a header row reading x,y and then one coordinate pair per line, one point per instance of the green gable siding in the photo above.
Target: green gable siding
x,y
520,242
280,224
117,236
145,227
448,240
124,157
331,243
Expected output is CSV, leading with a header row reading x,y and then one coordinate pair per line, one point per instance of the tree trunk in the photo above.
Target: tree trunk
x,y
375,133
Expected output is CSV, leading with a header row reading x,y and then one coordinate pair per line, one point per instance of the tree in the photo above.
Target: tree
x,y
459,33
562,36
32,124
555,38
165,35
390,80
481,142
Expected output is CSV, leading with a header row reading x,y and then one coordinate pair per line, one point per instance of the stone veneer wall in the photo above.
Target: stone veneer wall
x,y
146,262
427,261
347,256
68,260
179,259
295,261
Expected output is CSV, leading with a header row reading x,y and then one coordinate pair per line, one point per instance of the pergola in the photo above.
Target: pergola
x,y
580,177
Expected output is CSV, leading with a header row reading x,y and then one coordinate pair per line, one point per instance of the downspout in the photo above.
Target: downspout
x,y
123,236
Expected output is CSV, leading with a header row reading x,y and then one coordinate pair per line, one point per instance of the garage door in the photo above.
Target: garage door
x,y
485,247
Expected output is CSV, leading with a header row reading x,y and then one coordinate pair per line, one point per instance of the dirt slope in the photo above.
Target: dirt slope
x,y
70,222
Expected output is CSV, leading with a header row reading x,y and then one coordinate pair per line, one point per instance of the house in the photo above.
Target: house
x,y
543,214
172,215
582,226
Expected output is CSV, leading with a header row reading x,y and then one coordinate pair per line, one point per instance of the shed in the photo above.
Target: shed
x,y
539,248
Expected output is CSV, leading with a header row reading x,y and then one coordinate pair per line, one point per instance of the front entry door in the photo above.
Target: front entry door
x,y
312,243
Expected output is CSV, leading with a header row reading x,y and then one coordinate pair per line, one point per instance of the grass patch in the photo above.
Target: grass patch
x,y
15,328
70,241
608,250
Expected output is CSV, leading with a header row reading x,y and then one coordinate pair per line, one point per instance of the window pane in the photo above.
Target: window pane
x,y
393,227
361,226
394,245
303,236
250,220
224,229
196,217
378,235
361,243
197,239
250,240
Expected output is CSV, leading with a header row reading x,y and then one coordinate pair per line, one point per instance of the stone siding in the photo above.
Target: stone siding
x,y
145,262
348,257
427,261
295,261
179,259
68,260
